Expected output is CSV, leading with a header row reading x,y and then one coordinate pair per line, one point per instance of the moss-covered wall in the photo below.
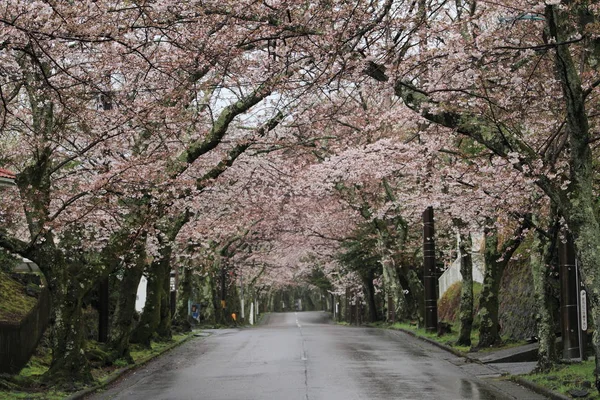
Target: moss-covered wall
x,y
517,307
449,303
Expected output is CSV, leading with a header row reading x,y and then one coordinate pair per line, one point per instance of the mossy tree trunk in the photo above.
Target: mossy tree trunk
x,y
156,317
496,258
466,293
184,296
416,294
69,366
543,247
392,238
122,321
392,285
370,296
150,319
164,327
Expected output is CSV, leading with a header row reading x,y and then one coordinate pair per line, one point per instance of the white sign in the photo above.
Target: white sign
x,y
583,303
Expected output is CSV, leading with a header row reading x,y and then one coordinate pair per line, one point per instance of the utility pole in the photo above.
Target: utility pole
x,y
429,275
242,290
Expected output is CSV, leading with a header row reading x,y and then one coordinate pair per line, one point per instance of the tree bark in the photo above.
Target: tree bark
x,y
184,295
466,293
370,294
150,319
392,285
541,258
164,327
69,367
122,322
496,259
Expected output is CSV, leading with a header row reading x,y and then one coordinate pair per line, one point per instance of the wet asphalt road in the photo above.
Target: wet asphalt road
x,y
302,356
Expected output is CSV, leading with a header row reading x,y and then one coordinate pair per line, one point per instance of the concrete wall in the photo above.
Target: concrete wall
x,y
452,274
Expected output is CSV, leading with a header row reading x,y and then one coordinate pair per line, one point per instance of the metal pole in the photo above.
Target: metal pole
x,y
429,275
568,300
242,290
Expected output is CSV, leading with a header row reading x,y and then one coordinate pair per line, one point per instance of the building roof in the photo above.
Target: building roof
x,y
4,173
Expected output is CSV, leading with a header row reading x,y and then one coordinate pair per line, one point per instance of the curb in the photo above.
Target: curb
x,y
538,389
120,372
523,382
440,345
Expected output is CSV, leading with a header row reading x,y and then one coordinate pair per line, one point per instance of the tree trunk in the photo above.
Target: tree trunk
x,y
164,327
416,292
489,328
466,294
150,319
370,294
393,287
69,367
496,259
122,323
184,295
541,257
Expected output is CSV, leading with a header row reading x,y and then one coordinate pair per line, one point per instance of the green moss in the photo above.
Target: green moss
x,y
141,353
517,302
15,304
449,303
50,395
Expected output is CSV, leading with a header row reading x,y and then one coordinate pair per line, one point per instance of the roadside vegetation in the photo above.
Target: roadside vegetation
x,y
29,383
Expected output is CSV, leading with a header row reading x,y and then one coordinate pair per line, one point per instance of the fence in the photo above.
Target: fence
x,y
17,342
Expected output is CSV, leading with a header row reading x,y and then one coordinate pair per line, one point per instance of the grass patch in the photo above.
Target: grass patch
x,y
565,377
449,339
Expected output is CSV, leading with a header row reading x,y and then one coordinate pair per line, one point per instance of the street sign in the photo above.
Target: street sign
x,y
583,307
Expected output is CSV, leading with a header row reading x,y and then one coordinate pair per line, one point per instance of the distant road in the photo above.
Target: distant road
x,y
302,356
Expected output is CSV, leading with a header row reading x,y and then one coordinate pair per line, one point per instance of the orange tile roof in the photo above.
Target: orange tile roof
x,y
4,173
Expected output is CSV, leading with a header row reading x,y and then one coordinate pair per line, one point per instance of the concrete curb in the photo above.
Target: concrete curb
x,y
523,382
120,372
440,345
538,389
